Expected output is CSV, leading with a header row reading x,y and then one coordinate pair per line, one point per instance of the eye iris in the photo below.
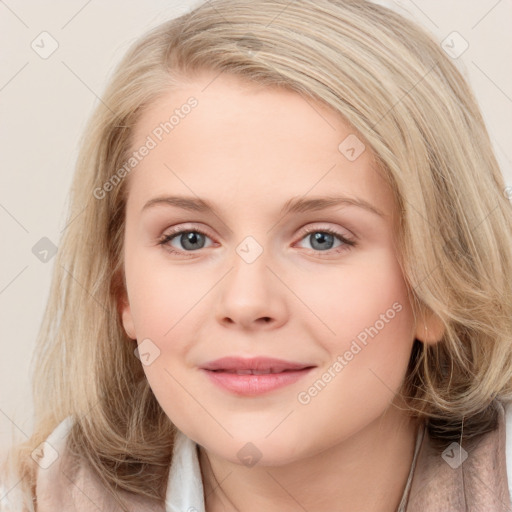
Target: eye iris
x,y
321,238
189,239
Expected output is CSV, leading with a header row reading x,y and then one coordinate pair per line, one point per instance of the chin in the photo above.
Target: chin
x,y
250,447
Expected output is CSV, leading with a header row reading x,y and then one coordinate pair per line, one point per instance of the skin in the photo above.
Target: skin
x,y
247,150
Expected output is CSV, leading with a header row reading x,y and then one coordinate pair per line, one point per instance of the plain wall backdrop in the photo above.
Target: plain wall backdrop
x,y
55,60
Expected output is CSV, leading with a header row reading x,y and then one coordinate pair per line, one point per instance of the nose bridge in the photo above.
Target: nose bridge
x,y
250,249
250,275
250,290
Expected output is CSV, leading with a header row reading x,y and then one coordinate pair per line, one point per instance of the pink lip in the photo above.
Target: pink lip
x,y
277,373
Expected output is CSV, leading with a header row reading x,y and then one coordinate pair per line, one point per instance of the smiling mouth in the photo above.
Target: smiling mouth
x,y
252,376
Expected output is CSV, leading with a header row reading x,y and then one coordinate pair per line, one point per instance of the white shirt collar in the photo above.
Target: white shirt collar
x,y
185,484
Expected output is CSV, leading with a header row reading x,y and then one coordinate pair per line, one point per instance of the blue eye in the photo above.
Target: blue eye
x,y
189,239
321,240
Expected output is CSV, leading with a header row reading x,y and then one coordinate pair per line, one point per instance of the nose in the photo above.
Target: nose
x,y
251,296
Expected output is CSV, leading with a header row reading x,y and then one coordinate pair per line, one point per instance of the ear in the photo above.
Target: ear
x,y
123,304
127,319
126,316
429,328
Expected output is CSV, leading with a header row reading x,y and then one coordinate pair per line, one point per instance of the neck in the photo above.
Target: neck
x,y
367,471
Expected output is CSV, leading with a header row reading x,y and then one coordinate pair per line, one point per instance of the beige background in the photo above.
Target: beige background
x,y
44,104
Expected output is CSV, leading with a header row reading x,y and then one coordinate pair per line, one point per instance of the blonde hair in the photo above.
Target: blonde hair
x,y
406,99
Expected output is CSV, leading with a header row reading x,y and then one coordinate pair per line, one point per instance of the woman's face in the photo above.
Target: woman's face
x,y
295,261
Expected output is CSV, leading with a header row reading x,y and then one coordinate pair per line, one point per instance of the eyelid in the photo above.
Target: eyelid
x,y
335,231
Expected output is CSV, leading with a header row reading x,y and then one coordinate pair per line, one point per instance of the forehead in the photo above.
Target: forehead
x,y
261,142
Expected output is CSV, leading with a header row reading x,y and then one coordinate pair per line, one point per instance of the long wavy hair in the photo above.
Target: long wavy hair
x,y
408,101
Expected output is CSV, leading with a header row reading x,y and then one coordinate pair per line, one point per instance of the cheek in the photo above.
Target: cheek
x,y
161,304
160,295
164,302
368,356
369,337
364,301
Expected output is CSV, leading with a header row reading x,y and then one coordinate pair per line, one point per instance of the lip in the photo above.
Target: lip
x,y
271,374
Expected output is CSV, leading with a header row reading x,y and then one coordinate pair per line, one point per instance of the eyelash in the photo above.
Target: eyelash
x,y
347,242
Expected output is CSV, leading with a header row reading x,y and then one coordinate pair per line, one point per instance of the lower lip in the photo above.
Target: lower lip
x,y
250,385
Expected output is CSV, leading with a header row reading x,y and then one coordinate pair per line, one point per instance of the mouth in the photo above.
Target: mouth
x,y
258,365
255,376
268,371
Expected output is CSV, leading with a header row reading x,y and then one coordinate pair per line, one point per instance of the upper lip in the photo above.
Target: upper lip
x,y
269,364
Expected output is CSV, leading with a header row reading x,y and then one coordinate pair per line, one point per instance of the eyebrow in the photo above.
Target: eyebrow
x,y
293,205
